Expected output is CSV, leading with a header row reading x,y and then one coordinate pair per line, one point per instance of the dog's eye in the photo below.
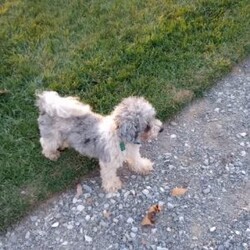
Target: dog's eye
x,y
147,129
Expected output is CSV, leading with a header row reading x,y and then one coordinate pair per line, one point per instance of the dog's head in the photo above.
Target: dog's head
x,y
135,120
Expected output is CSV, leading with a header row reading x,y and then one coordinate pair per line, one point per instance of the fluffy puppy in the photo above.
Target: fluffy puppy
x,y
113,139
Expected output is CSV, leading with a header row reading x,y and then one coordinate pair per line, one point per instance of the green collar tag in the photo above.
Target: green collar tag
x,y
122,146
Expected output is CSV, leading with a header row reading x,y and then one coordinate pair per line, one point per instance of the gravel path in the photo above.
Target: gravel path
x,y
205,148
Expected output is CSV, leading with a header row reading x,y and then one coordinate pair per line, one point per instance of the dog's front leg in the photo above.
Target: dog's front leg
x,y
110,181
135,162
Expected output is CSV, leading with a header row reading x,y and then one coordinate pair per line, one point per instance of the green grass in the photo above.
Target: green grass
x,y
102,51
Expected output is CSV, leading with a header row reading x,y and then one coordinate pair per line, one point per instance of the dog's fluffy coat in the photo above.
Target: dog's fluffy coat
x,y
66,122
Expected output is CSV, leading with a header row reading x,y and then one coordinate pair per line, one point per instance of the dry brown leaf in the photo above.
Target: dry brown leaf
x,y
146,221
178,191
89,201
150,217
78,190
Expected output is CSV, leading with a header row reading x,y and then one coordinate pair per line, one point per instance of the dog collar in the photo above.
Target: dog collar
x,y
122,146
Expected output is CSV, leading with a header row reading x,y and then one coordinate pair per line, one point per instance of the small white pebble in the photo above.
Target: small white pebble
x,y
115,220
130,220
80,208
181,219
106,206
173,123
88,238
212,229
145,192
171,167
161,203
126,194
173,136
132,192
245,245
87,217
56,224
111,195
133,235
161,248
243,134
70,227
243,153
27,235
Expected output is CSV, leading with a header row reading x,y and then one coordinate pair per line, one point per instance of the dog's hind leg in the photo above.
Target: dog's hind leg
x,y
50,148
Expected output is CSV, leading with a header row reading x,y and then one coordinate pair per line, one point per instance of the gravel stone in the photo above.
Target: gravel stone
x,y
80,208
130,220
56,224
207,190
87,217
221,247
134,229
204,148
212,229
133,235
88,238
145,192
170,205
87,188
70,227
27,235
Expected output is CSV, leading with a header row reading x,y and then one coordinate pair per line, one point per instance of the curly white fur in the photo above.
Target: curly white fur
x,y
66,122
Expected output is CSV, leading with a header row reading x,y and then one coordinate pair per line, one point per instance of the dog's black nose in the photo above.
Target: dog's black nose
x,y
161,129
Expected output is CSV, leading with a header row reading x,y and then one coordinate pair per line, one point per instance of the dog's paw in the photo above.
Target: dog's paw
x,y
64,146
112,185
144,167
53,156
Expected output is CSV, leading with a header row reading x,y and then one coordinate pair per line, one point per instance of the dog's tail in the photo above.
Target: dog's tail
x,y
54,105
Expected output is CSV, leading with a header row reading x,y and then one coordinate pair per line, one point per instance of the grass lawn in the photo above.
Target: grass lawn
x,y
168,51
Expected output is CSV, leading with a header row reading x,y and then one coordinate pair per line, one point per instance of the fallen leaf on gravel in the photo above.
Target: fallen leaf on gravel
x,y
149,218
78,190
89,201
178,191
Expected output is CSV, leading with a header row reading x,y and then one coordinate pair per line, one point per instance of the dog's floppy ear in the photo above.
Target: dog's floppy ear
x,y
131,116
128,129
